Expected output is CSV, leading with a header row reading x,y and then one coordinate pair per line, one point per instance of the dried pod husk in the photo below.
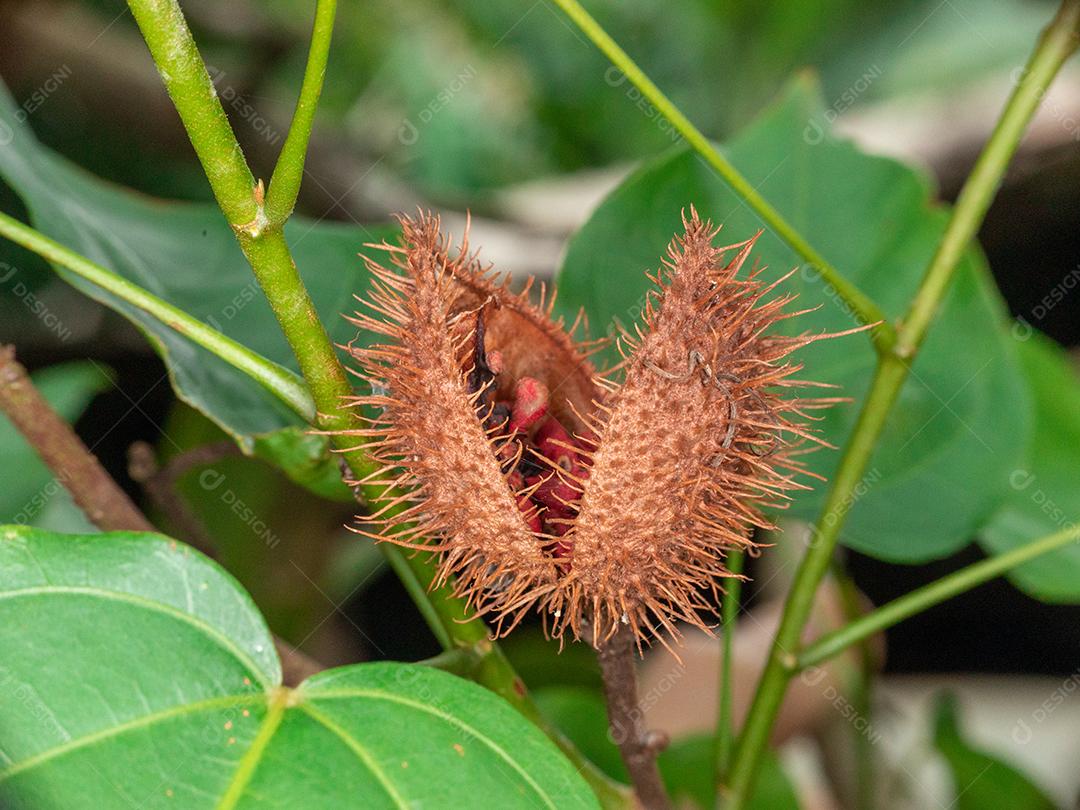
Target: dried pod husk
x,y
531,341
446,463
690,446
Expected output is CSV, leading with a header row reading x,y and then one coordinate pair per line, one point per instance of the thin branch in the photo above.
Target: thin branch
x,y
281,382
924,598
1056,44
861,304
192,92
289,171
638,746
93,490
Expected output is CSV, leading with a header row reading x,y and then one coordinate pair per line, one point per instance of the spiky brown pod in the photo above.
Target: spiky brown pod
x,y
541,482
691,445
434,432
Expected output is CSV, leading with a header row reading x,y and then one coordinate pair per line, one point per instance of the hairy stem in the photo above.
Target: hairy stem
x,y
263,242
92,488
729,613
926,597
1056,44
861,304
279,381
289,171
638,746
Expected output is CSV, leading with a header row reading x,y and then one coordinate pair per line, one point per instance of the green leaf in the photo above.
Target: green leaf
x,y
943,462
981,781
136,672
540,662
29,493
186,254
580,714
1043,497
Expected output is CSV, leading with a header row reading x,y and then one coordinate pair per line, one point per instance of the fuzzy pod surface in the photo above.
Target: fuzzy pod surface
x,y
603,500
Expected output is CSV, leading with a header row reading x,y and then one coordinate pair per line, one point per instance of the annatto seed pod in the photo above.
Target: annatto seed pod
x,y
542,483
465,358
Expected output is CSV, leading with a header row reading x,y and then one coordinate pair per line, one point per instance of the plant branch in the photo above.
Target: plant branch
x,y
93,490
192,92
453,623
103,502
638,746
1054,47
279,381
725,722
861,304
289,171
911,604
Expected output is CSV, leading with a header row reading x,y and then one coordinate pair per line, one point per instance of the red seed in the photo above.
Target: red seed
x,y
530,403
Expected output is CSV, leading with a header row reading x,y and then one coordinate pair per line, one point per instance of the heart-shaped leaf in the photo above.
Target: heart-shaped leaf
x,y
134,671
1043,497
186,254
943,462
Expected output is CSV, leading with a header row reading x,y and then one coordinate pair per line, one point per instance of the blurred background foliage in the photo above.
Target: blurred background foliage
x,y
531,97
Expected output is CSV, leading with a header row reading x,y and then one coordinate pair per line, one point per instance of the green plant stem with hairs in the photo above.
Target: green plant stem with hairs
x,y
1055,45
867,311
258,219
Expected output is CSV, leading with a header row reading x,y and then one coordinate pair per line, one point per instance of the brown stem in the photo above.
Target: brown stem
x,y
638,745
296,667
106,505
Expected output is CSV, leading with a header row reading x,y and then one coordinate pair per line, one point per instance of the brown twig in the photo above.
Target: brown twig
x,y
106,505
638,746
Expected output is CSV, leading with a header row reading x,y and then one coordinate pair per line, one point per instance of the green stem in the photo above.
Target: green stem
x,y
289,171
281,382
263,243
861,304
729,613
182,69
1054,47
924,598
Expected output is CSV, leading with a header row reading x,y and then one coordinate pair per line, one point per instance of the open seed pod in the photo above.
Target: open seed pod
x,y
604,502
